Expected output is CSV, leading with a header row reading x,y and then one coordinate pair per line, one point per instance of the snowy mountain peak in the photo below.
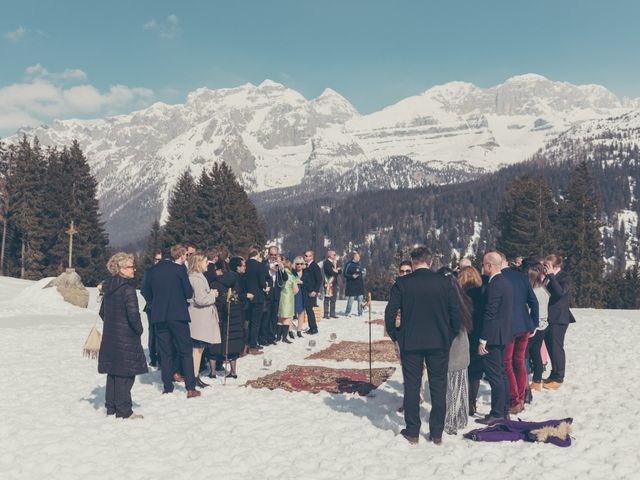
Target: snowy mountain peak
x,y
273,137
527,78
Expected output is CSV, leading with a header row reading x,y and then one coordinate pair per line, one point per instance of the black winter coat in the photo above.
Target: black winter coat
x,y
121,352
236,335
559,286
354,287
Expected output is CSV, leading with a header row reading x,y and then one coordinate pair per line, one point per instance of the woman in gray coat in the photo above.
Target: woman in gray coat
x,y
457,415
204,324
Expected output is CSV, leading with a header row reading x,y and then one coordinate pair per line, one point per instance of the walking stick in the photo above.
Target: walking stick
x,y
370,371
226,341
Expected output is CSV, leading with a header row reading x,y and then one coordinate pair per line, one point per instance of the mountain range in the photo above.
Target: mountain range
x,y
276,140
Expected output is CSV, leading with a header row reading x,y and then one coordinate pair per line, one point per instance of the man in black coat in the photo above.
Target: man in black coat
x,y
152,343
558,284
276,278
255,281
311,287
495,333
331,272
430,321
167,289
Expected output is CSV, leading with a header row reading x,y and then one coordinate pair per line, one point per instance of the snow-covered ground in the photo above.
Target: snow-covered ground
x,y
53,422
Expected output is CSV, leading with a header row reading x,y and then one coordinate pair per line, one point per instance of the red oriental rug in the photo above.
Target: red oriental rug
x,y
313,379
381,351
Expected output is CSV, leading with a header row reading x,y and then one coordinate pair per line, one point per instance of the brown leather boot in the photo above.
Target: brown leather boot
x,y
193,393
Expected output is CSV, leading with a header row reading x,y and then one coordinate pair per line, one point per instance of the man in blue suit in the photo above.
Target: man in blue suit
x,y
524,320
167,289
495,333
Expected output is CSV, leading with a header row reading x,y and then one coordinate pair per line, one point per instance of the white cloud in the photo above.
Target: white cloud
x,y
169,28
16,35
44,96
70,74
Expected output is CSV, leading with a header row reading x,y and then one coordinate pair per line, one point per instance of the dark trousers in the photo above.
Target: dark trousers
x,y
554,339
330,306
254,314
269,322
117,397
535,348
170,334
437,364
493,363
309,303
153,347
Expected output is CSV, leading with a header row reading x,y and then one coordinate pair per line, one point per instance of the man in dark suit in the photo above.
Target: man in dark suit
x,y
331,272
430,321
255,280
153,344
495,333
558,284
167,289
276,278
311,287
524,320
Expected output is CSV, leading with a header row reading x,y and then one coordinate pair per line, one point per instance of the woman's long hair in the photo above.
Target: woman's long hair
x,y
468,277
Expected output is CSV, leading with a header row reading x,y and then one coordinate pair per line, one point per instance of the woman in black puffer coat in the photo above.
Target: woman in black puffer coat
x,y
121,356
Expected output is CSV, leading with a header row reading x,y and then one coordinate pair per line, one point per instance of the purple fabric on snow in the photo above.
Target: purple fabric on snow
x,y
514,430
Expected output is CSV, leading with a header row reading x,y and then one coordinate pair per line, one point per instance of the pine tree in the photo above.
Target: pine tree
x,y
208,204
72,193
580,240
154,244
26,212
525,218
239,225
182,212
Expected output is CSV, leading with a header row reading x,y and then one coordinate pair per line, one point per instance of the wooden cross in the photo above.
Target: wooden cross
x,y
71,232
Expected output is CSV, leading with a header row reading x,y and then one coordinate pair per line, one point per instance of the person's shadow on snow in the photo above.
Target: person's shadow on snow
x,y
97,398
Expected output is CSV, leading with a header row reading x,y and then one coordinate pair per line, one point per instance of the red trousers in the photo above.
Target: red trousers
x,y
515,368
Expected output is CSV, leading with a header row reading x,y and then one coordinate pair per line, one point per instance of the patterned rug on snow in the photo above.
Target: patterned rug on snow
x,y
314,379
381,351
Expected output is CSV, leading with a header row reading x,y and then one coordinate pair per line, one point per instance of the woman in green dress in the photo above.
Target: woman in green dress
x,y
286,310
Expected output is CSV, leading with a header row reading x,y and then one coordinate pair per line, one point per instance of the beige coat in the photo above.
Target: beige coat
x,y
204,323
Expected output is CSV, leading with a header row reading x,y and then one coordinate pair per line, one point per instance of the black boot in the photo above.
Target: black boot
x,y
285,330
474,386
232,369
212,368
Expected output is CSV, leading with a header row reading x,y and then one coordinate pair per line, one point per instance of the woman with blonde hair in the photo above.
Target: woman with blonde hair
x,y
121,356
298,305
204,325
286,309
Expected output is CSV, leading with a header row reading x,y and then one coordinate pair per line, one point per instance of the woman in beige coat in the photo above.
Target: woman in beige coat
x,y
204,325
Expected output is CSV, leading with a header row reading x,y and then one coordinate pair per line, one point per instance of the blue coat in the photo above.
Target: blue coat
x,y
496,321
121,352
523,319
166,288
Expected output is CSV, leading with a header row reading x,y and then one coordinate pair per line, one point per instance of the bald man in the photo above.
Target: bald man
x,y
495,334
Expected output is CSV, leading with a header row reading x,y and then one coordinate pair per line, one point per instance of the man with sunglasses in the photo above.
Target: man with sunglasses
x,y
311,285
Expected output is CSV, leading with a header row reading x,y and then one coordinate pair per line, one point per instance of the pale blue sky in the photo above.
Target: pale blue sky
x,y
372,52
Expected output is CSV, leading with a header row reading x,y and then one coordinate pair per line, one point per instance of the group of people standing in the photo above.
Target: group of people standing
x,y
465,325
209,308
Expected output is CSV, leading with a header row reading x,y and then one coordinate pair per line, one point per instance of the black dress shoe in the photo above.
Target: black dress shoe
x,y
410,439
232,375
299,334
335,316
489,420
291,335
212,375
153,364
312,332
167,391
